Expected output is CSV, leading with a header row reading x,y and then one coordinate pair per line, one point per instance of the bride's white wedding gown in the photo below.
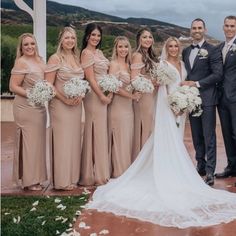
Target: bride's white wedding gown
x,y
162,185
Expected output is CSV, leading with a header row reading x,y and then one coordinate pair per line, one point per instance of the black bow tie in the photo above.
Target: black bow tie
x,y
195,46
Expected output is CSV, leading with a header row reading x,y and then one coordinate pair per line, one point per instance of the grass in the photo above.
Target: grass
x,y
40,222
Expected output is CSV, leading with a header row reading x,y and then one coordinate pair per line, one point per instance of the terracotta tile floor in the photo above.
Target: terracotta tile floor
x,y
118,226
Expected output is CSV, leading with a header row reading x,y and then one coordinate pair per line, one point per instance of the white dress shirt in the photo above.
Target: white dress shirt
x,y
227,46
194,52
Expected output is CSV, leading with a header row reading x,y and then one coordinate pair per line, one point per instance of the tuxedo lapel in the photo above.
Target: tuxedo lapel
x,y
229,52
187,63
204,46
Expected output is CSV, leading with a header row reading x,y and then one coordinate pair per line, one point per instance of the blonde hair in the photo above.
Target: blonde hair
x,y
170,39
19,52
60,49
115,54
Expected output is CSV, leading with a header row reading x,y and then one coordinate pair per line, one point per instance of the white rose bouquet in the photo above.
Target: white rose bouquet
x,y
76,87
163,74
41,92
185,99
109,83
143,85
233,47
203,53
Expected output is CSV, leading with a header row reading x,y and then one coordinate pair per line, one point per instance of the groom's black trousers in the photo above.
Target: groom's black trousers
x,y
204,138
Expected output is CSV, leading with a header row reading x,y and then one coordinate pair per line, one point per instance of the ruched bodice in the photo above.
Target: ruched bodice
x,y
99,61
64,74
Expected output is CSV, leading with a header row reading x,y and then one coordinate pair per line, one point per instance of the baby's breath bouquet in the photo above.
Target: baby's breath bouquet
x,y
109,83
76,87
185,99
143,85
163,74
41,92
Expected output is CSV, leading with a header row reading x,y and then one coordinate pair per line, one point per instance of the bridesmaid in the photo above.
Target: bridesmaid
x,y
66,113
120,112
143,60
29,164
95,161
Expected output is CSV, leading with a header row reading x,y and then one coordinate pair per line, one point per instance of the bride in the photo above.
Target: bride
x,y
162,185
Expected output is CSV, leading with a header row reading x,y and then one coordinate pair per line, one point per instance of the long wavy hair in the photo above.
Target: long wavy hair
x,y
19,51
60,50
87,32
149,56
115,54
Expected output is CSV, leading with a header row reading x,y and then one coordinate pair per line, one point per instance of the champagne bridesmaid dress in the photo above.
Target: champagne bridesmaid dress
x,y
66,126
29,164
95,161
121,128
143,115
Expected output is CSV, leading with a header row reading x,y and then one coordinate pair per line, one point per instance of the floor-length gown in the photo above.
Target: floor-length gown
x,y
66,129
162,186
95,160
120,129
143,115
29,163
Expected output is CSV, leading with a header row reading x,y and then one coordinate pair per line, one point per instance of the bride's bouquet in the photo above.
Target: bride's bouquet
x,y
109,83
76,87
185,99
143,85
41,92
163,74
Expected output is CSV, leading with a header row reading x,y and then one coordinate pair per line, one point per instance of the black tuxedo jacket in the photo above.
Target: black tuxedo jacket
x,y
228,83
206,70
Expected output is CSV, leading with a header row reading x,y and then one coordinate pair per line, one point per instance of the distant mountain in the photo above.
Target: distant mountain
x,y
61,14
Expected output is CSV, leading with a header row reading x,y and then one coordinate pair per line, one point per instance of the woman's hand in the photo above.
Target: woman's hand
x,y
136,96
106,99
72,101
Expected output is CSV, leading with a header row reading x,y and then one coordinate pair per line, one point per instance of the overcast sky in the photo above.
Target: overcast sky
x,y
179,12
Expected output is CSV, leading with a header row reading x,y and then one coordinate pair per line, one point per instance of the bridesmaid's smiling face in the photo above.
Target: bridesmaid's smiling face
x,y
94,38
146,40
28,46
122,48
172,49
68,41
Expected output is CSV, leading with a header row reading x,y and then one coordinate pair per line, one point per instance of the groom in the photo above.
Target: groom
x,y
203,63
227,91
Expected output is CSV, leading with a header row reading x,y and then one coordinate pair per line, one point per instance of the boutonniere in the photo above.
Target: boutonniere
x,y
233,48
203,53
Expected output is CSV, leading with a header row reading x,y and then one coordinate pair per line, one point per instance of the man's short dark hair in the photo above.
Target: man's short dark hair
x,y
199,19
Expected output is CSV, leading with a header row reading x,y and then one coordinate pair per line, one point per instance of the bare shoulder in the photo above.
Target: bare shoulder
x,y
54,59
137,57
20,63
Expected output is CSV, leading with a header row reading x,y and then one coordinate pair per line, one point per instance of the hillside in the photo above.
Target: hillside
x,y
61,14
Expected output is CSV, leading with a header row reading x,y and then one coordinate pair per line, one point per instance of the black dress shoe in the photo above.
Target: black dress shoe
x,y
201,172
225,174
209,179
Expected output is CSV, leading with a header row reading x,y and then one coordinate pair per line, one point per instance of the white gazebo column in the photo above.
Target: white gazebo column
x,y
38,14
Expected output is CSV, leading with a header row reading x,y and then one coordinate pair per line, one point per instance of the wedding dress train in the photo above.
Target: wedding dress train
x,y
162,186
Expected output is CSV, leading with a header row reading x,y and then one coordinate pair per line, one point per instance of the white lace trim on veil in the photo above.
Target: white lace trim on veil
x,y
162,185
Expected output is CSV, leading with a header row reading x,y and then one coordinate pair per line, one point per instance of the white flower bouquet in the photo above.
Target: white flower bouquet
x,y
163,74
185,99
143,85
76,87
41,92
109,83
233,47
203,53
